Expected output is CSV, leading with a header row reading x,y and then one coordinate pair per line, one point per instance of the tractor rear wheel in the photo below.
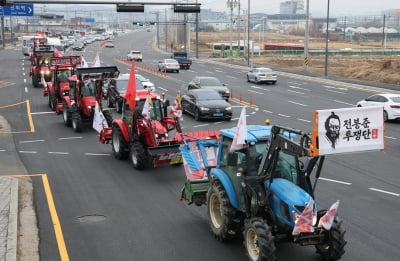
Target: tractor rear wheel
x,y
108,116
76,121
119,145
333,247
221,214
258,240
138,155
67,115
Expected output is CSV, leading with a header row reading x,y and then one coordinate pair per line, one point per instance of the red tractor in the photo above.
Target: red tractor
x,y
40,64
79,105
147,141
58,86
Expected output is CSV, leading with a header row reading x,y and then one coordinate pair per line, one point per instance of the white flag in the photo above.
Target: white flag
x,y
96,61
99,121
239,140
43,82
147,107
326,221
304,222
84,64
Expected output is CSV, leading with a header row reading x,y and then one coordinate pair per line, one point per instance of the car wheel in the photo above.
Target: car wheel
x,y
196,115
248,79
274,82
385,116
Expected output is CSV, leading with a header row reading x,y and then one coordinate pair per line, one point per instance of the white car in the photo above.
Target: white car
x,y
147,84
389,101
135,56
262,74
168,65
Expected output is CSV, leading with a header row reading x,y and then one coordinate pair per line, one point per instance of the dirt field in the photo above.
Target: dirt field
x,y
384,69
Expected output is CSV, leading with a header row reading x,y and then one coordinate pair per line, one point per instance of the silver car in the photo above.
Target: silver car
x,y
262,74
147,84
168,65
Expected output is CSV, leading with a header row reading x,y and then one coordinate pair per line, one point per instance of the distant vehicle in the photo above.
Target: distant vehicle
x,y
389,101
201,82
147,84
182,59
148,30
168,65
271,47
136,56
109,44
117,88
262,74
27,44
206,104
78,46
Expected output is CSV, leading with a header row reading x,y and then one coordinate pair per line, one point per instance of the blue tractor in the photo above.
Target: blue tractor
x,y
260,190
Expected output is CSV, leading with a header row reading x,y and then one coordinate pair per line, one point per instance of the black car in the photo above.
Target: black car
x,y
206,104
118,87
201,82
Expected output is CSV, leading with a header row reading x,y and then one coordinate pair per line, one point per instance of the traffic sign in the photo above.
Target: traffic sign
x,y
17,10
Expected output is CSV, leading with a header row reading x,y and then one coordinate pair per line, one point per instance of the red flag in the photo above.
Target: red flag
x,y
326,220
304,222
58,53
130,95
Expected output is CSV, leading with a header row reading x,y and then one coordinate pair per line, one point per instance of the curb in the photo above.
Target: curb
x,y
11,253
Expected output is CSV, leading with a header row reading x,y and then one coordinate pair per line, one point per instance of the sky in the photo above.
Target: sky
x,y
317,7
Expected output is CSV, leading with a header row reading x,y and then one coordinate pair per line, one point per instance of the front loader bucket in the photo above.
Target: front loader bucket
x,y
165,155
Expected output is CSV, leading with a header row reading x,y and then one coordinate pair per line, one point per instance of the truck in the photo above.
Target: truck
x,y
78,106
264,188
181,57
61,68
135,56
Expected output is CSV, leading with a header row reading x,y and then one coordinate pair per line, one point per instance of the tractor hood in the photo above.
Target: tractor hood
x,y
288,192
88,105
64,86
158,128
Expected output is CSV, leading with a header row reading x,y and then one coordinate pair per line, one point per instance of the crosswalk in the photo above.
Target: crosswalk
x,y
5,84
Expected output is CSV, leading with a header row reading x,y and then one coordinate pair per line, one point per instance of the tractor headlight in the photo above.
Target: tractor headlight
x,y
89,107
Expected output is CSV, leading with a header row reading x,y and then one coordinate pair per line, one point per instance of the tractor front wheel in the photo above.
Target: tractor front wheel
x,y
258,240
138,155
67,115
119,145
221,214
76,121
333,248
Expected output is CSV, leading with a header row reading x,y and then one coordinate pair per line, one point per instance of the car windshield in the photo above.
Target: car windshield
x,y
210,82
122,85
205,96
141,78
395,99
170,61
265,70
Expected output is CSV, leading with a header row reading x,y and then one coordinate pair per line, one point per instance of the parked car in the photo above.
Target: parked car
x,y
200,82
389,101
117,88
147,84
206,104
135,56
168,65
262,74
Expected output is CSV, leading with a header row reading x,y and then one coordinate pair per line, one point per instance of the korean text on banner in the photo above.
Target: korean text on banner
x,y
350,130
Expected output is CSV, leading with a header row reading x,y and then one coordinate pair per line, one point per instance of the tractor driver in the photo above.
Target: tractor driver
x,y
89,87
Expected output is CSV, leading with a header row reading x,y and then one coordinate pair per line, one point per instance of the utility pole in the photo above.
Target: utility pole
x,y
326,41
231,4
238,26
248,32
197,35
306,37
166,32
383,32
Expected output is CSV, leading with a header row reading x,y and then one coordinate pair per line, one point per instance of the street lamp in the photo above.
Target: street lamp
x,y
231,4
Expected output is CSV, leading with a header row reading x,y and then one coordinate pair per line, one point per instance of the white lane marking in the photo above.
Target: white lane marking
x,y
202,125
232,77
267,111
338,88
43,112
27,151
254,112
69,138
58,152
296,87
256,92
98,154
295,83
209,72
2,150
24,80
26,89
28,141
218,71
384,191
283,115
304,105
218,122
336,181
344,103
165,90
336,91
261,88
23,74
392,138
304,120
296,92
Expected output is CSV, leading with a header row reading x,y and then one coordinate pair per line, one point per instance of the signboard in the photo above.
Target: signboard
x,y
89,20
67,61
17,10
350,130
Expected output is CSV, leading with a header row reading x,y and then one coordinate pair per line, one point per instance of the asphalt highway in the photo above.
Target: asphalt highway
x,y
95,207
